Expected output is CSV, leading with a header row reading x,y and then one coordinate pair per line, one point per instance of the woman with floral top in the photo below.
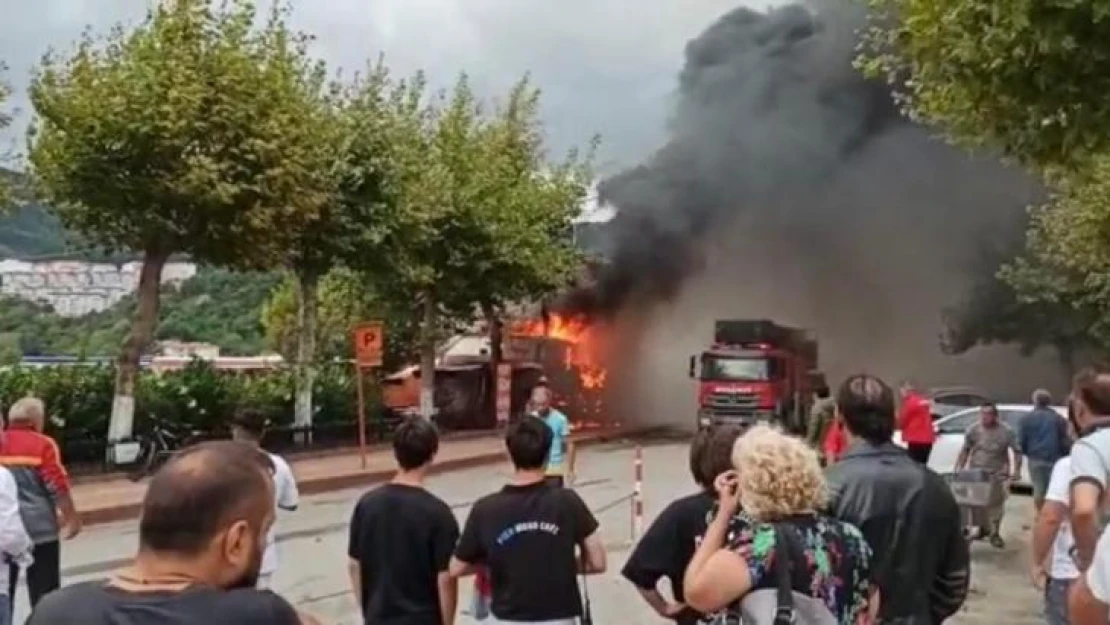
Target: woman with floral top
x,y
779,485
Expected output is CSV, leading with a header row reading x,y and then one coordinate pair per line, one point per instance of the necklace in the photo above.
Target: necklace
x,y
167,581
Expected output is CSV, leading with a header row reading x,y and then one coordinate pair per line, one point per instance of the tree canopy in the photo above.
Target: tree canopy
x,y
1026,78
195,132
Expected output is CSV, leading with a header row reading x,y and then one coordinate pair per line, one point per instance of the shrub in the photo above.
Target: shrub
x,y
198,397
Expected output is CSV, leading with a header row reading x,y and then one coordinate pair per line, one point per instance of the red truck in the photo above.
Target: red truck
x,y
756,370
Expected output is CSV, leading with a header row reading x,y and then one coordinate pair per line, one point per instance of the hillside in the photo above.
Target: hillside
x,y
215,306
29,231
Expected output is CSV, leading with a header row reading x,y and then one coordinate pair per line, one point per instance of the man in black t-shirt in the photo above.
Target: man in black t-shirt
x,y
402,538
668,545
202,532
528,535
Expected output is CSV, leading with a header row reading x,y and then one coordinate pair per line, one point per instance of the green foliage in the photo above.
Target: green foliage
x,y
1067,257
215,306
479,215
191,133
345,300
1026,77
79,398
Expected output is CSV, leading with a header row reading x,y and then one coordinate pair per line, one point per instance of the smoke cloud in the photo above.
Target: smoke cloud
x,y
791,189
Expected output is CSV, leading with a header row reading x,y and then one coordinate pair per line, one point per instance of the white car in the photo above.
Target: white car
x,y
950,436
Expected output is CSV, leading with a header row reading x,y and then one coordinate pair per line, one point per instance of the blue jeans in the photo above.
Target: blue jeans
x,y
5,610
1056,601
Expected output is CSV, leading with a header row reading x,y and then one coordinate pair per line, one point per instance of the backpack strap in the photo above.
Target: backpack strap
x,y
784,567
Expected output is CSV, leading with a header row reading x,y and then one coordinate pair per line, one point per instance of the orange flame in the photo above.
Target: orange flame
x,y
583,341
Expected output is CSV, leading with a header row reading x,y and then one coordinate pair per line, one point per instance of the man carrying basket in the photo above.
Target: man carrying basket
x,y
990,446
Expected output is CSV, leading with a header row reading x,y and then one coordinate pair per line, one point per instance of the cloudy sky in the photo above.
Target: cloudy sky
x,y
606,66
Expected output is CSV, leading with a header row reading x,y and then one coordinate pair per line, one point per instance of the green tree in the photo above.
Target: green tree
x,y
345,299
1066,261
480,217
191,133
1027,78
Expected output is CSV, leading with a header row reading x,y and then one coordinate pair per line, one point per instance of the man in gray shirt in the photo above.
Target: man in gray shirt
x,y
1089,412
991,446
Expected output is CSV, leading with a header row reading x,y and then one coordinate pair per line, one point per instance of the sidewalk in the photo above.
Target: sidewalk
x,y
108,501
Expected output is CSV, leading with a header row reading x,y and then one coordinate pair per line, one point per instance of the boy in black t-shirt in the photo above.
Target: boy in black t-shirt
x,y
668,545
528,535
402,538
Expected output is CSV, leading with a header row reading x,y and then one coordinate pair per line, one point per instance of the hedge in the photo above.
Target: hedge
x,y
79,400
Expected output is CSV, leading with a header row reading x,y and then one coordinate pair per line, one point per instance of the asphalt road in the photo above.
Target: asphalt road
x,y
313,542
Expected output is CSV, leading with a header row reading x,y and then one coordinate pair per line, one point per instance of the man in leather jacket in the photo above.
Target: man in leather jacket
x,y
906,512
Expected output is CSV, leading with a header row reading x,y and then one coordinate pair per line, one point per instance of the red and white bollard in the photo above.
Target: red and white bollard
x,y
638,494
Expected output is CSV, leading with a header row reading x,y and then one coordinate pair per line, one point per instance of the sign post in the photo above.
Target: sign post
x,y
368,340
504,393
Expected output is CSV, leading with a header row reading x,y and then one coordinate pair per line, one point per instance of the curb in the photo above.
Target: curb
x,y
349,479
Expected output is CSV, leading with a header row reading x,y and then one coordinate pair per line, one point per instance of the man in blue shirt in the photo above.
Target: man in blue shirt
x,y
1043,438
560,465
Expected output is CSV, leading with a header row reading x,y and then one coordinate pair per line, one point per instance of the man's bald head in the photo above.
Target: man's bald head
x,y
200,492
866,405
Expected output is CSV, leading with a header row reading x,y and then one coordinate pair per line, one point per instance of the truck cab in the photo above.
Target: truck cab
x,y
743,382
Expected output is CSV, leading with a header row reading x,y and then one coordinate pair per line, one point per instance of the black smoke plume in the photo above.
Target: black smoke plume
x,y
791,188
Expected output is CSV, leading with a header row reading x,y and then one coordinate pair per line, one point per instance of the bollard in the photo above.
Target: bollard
x,y
638,494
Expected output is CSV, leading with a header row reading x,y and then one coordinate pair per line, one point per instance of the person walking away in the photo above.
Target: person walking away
x,y
778,483
915,420
906,512
533,537
202,532
402,538
1043,439
45,502
1089,412
560,462
991,446
15,544
820,419
249,427
1053,569
667,546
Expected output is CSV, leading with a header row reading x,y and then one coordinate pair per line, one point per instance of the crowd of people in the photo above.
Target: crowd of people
x,y
780,530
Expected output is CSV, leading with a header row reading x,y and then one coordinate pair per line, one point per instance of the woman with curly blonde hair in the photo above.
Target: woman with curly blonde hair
x,y
779,485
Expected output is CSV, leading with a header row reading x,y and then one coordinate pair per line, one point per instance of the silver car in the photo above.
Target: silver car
x,y
950,400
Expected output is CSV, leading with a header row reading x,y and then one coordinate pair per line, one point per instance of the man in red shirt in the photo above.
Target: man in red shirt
x,y
915,419
45,502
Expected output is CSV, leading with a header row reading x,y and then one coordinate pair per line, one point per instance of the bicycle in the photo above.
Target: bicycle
x,y
157,447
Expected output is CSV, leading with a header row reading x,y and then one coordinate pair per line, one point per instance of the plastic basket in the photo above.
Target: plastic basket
x,y
971,488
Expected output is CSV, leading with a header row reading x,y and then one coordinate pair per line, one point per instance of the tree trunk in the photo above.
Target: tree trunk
x,y
495,355
307,286
122,421
428,357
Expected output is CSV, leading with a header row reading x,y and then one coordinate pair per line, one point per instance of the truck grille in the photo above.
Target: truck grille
x,y
732,404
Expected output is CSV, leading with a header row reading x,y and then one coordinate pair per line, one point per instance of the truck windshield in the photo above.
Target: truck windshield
x,y
739,369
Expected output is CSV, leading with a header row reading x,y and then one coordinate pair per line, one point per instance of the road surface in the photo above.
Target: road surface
x,y
313,542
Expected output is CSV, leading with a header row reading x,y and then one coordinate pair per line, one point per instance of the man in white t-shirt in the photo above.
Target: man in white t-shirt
x,y
1054,570
250,426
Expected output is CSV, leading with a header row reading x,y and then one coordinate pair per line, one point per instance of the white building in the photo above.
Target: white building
x,y
75,288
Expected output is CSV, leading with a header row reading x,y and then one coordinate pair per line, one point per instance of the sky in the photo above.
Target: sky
x,y
606,67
